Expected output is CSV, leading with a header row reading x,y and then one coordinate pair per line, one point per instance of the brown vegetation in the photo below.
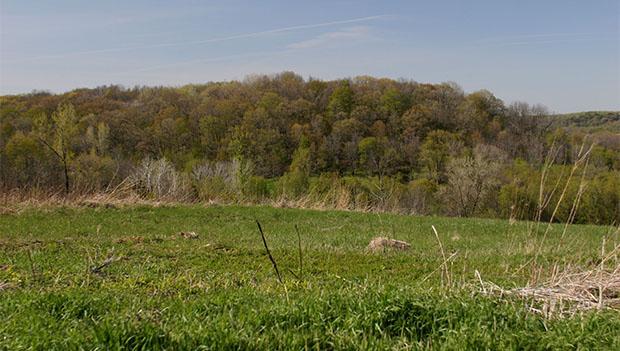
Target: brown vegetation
x,y
382,244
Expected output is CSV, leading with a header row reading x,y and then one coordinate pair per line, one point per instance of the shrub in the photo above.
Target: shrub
x,y
256,188
295,182
159,180
472,182
93,172
222,180
600,203
420,197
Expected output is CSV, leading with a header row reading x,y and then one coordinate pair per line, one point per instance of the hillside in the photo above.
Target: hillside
x,y
591,121
363,143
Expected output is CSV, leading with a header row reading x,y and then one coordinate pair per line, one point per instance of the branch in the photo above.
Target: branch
x,y
42,141
273,261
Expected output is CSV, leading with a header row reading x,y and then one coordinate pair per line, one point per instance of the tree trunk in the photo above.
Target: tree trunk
x,y
64,162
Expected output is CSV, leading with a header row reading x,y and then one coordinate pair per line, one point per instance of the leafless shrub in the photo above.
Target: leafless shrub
x,y
159,179
223,181
471,180
224,170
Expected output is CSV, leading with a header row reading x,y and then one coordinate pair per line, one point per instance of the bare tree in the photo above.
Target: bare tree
x,y
471,180
526,127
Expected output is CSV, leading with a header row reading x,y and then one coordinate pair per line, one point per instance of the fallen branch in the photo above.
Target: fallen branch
x,y
108,261
273,261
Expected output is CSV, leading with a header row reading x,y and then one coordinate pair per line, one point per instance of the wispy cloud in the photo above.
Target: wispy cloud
x,y
205,60
212,40
352,33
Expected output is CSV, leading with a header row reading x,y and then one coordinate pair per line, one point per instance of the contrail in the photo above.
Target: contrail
x,y
212,40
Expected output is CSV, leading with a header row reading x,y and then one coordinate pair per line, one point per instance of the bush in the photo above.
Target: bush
x,y
600,203
93,172
214,180
293,184
472,182
215,188
157,179
256,188
327,190
420,197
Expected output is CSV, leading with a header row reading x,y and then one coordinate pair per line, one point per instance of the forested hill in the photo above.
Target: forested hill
x,y
590,120
365,127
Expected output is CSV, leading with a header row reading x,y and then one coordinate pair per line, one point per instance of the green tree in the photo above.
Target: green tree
x,y
98,138
58,136
436,151
341,100
482,116
375,155
25,156
295,182
394,102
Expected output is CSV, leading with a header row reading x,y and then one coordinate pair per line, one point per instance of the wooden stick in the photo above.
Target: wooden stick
x,y
108,261
273,261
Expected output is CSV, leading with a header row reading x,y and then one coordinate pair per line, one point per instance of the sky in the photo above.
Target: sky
x,y
564,54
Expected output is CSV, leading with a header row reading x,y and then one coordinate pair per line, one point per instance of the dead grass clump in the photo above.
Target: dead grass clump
x,y
568,292
6,286
188,235
8,211
130,240
379,244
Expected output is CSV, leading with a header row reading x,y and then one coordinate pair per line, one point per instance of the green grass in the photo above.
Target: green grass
x,y
219,291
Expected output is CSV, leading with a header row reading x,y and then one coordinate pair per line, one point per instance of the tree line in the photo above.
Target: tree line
x,y
388,144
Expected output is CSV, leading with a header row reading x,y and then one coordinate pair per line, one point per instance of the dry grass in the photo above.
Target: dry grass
x,y
188,235
6,286
569,290
15,201
380,244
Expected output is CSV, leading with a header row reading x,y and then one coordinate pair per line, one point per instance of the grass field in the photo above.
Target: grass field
x,y
219,290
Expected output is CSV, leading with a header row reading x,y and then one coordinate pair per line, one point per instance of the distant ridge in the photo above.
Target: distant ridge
x,y
589,120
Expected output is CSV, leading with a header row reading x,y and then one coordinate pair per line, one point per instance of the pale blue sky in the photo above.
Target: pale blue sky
x,y
564,54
